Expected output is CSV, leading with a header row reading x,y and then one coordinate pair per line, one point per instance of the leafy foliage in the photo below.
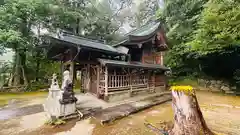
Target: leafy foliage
x,y
23,21
204,37
180,18
5,69
219,26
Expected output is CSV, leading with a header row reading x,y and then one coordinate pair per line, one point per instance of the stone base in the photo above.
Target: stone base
x,y
121,95
160,89
122,110
118,96
54,108
229,92
67,109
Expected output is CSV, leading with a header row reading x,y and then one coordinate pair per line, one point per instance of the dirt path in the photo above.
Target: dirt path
x,y
23,111
221,113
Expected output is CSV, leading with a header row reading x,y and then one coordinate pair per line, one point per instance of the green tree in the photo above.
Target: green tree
x,y
17,18
219,26
21,23
180,18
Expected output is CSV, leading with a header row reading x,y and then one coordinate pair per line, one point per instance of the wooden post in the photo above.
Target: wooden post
x,y
130,82
72,73
98,80
106,83
88,77
153,80
115,80
161,57
148,76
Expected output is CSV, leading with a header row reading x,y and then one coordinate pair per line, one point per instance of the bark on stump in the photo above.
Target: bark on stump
x,y
188,118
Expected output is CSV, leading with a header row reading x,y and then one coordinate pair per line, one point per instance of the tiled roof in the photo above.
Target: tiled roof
x,y
85,43
145,31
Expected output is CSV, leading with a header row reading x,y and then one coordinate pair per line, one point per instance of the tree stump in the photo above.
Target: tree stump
x,y
188,118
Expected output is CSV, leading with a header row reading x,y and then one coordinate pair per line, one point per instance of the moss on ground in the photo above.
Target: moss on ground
x,y
6,97
184,81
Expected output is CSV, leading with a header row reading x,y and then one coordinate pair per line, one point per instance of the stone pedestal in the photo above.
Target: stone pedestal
x,y
53,105
54,108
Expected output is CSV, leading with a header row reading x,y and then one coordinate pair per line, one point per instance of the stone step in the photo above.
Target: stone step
x,y
117,112
229,92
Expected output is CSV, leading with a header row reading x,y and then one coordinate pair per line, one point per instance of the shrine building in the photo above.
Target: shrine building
x,y
113,72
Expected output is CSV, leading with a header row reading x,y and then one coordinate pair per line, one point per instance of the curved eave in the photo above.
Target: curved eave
x,y
141,38
141,35
145,34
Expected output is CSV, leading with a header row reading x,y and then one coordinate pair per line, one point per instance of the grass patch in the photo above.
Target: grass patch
x,y
6,97
184,81
55,122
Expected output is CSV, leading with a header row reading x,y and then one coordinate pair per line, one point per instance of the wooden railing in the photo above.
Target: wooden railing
x,y
117,81
113,83
123,81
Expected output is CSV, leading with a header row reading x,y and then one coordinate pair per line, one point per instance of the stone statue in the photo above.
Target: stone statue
x,y
66,78
60,102
67,87
54,84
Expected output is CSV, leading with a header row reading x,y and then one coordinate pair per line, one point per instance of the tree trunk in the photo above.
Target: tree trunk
x,y
38,52
37,67
187,115
24,76
19,75
10,81
23,67
16,74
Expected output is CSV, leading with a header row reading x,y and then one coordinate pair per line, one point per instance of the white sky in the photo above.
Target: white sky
x,y
8,56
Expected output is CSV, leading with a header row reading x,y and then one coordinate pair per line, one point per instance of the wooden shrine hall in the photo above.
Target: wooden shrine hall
x,y
131,67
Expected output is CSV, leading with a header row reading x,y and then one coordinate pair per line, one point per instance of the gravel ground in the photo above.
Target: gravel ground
x,y
221,113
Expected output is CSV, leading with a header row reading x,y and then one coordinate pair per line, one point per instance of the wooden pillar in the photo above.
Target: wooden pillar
x,y
115,78
148,76
130,82
71,70
161,57
88,78
98,80
153,80
106,83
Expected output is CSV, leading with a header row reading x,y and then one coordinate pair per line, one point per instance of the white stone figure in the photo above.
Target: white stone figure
x,y
66,78
54,84
52,106
54,90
